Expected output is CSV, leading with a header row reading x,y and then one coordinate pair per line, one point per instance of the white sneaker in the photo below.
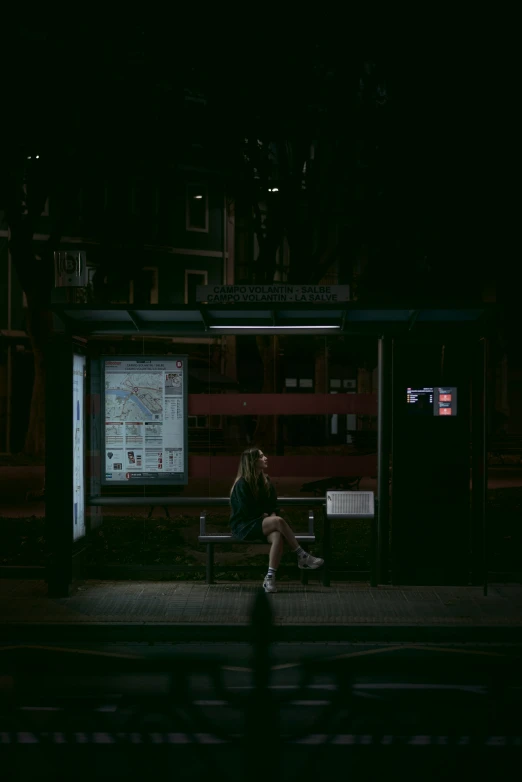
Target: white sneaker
x,y
310,563
269,584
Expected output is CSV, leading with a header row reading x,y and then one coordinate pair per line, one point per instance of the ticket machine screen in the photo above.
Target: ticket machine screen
x,y
432,401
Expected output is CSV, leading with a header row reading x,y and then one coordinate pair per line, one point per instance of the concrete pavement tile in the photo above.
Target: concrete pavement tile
x,y
104,601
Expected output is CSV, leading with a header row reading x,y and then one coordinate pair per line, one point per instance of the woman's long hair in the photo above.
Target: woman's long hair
x,y
247,469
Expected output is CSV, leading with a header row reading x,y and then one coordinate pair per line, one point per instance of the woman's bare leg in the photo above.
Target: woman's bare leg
x,y
276,550
277,524
304,559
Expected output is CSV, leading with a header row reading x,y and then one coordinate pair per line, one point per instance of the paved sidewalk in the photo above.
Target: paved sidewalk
x,y
134,610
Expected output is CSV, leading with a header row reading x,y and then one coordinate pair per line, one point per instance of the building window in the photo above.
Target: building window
x,y
197,207
144,287
193,278
299,373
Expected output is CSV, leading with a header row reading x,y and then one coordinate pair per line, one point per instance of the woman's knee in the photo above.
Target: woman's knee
x,y
282,525
274,523
270,525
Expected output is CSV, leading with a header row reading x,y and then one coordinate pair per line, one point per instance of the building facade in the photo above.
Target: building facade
x,y
148,239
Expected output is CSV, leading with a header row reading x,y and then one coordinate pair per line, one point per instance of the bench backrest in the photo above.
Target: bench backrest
x,y
350,505
191,502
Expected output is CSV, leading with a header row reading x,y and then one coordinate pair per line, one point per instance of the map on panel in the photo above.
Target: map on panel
x,y
145,419
133,397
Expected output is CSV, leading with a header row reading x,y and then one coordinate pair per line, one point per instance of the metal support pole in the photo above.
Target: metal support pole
x,y
381,548
479,532
327,549
9,399
210,563
374,537
484,466
394,564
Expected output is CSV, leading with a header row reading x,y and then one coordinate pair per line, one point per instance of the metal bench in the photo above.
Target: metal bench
x,y
212,540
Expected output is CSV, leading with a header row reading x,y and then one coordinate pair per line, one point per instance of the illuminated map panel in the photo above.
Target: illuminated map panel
x,y
78,445
145,419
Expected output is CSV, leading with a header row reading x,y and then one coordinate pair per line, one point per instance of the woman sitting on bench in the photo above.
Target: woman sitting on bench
x,y
255,515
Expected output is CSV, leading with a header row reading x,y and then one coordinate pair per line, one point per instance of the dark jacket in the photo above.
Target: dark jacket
x,y
245,508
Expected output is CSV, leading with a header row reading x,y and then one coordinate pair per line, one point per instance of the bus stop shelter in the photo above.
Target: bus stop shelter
x,y
467,324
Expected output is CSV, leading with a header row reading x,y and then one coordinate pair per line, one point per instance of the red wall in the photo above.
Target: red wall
x,y
281,404
288,466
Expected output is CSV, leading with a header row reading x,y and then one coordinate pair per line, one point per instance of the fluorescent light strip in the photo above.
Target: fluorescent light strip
x,y
271,328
